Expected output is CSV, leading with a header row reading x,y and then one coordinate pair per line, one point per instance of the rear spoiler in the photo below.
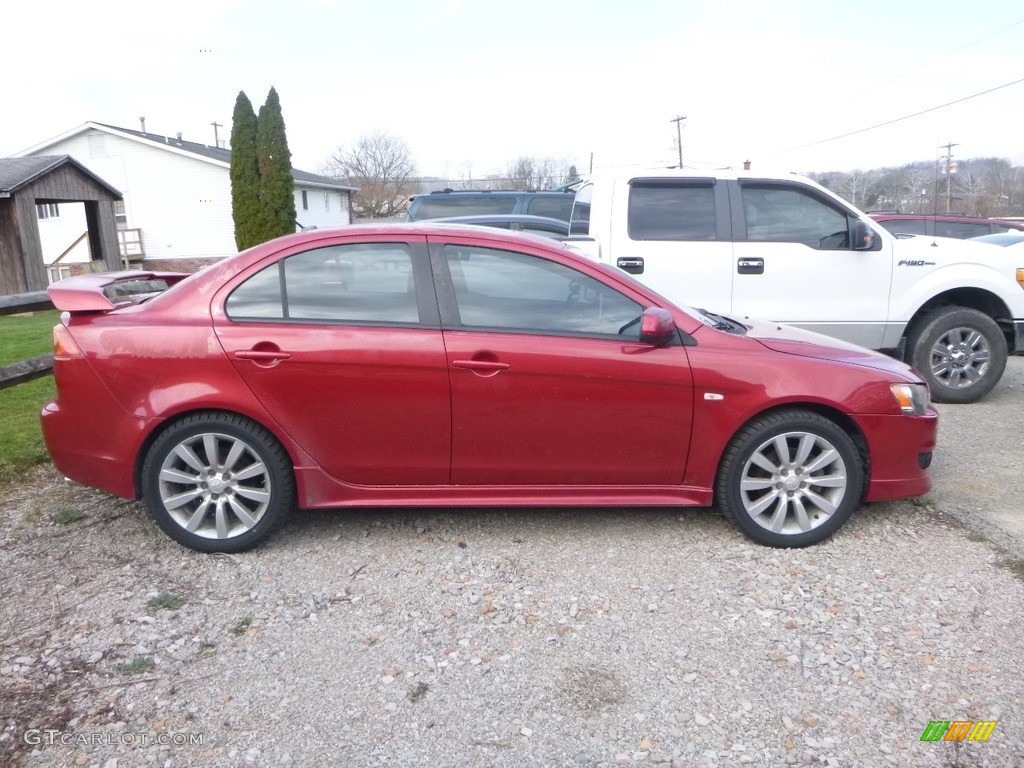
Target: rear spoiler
x,y
105,291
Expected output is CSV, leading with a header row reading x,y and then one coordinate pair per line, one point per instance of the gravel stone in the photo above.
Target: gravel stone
x,y
533,645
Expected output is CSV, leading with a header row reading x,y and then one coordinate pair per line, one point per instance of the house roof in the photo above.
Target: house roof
x,y
17,172
215,155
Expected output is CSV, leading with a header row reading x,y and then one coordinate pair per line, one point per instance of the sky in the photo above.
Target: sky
x,y
472,85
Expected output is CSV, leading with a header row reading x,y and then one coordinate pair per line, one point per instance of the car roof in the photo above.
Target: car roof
x,y
425,227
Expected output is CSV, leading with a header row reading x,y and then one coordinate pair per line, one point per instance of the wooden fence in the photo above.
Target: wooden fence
x,y
35,367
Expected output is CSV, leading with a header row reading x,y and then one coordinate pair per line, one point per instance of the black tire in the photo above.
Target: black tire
x,y
816,448
221,474
960,352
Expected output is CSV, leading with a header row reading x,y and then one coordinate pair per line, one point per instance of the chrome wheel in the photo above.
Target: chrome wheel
x,y
214,485
959,351
793,483
960,357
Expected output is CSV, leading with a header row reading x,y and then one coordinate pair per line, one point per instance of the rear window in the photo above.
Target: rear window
x,y
438,207
671,211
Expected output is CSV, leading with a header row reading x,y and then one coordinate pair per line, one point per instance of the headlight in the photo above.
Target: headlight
x,y
912,398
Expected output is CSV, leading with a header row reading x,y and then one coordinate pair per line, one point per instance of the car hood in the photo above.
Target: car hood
x,y
790,340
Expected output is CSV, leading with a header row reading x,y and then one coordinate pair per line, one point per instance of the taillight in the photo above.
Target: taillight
x,y
64,347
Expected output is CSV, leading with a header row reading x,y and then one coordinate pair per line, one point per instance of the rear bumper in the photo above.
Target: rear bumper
x,y
91,438
897,446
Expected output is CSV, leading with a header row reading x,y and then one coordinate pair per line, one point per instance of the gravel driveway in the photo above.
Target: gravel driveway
x,y
520,638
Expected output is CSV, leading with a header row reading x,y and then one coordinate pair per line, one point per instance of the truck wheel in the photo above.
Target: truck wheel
x,y
960,352
790,479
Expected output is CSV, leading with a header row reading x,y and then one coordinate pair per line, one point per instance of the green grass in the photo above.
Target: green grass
x,y
137,665
241,626
166,601
27,335
21,441
66,516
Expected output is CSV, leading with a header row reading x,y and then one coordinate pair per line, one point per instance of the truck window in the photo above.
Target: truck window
x,y
784,214
671,210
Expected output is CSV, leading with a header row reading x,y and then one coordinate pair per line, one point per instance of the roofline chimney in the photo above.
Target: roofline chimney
x,y
143,121
179,135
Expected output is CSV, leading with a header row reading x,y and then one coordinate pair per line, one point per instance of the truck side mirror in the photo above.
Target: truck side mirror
x,y
864,237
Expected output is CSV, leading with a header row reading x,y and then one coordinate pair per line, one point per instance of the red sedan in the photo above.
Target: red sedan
x,y
432,365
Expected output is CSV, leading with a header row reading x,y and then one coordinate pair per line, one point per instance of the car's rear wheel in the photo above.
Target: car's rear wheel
x,y
790,479
217,482
960,352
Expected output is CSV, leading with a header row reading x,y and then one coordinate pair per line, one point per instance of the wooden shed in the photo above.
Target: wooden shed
x,y
26,182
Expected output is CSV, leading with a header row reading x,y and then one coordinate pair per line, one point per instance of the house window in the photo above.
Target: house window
x,y
305,201
327,201
47,211
120,217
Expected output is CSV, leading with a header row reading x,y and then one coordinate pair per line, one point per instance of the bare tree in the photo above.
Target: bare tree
x,y
859,187
381,166
533,173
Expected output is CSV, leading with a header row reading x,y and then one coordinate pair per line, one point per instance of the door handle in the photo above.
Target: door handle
x,y
261,355
750,266
481,365
632,264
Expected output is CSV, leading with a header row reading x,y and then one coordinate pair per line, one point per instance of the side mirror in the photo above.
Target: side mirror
x,y
864,237
657,326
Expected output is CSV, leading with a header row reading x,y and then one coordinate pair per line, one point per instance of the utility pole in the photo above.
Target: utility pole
x,y
679,136
216,125
949,166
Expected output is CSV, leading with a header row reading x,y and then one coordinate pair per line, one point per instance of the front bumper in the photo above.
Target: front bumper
x,y
1018,336
896,445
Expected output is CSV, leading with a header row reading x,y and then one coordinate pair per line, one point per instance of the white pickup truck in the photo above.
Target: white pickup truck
x,y
784,248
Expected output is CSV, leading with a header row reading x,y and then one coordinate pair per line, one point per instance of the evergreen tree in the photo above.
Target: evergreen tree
x,y
277,185
245,174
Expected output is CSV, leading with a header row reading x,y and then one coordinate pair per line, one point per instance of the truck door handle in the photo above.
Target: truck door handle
x,y
750,266
632,264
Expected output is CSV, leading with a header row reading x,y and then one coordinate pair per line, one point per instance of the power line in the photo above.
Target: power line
x,y
940,58
897,119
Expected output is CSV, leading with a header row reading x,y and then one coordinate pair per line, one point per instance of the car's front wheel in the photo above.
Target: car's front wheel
x,y
790,479
217,482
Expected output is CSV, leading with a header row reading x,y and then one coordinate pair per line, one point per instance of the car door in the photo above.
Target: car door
x,y
795,263
342,346
676,239
550,385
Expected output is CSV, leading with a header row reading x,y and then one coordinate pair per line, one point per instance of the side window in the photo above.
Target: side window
x,y
906,226
440,206
788,215
503,290
366,283
553,207
669,210
961,229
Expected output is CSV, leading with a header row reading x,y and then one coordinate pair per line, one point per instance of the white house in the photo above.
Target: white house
x,y
177,199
